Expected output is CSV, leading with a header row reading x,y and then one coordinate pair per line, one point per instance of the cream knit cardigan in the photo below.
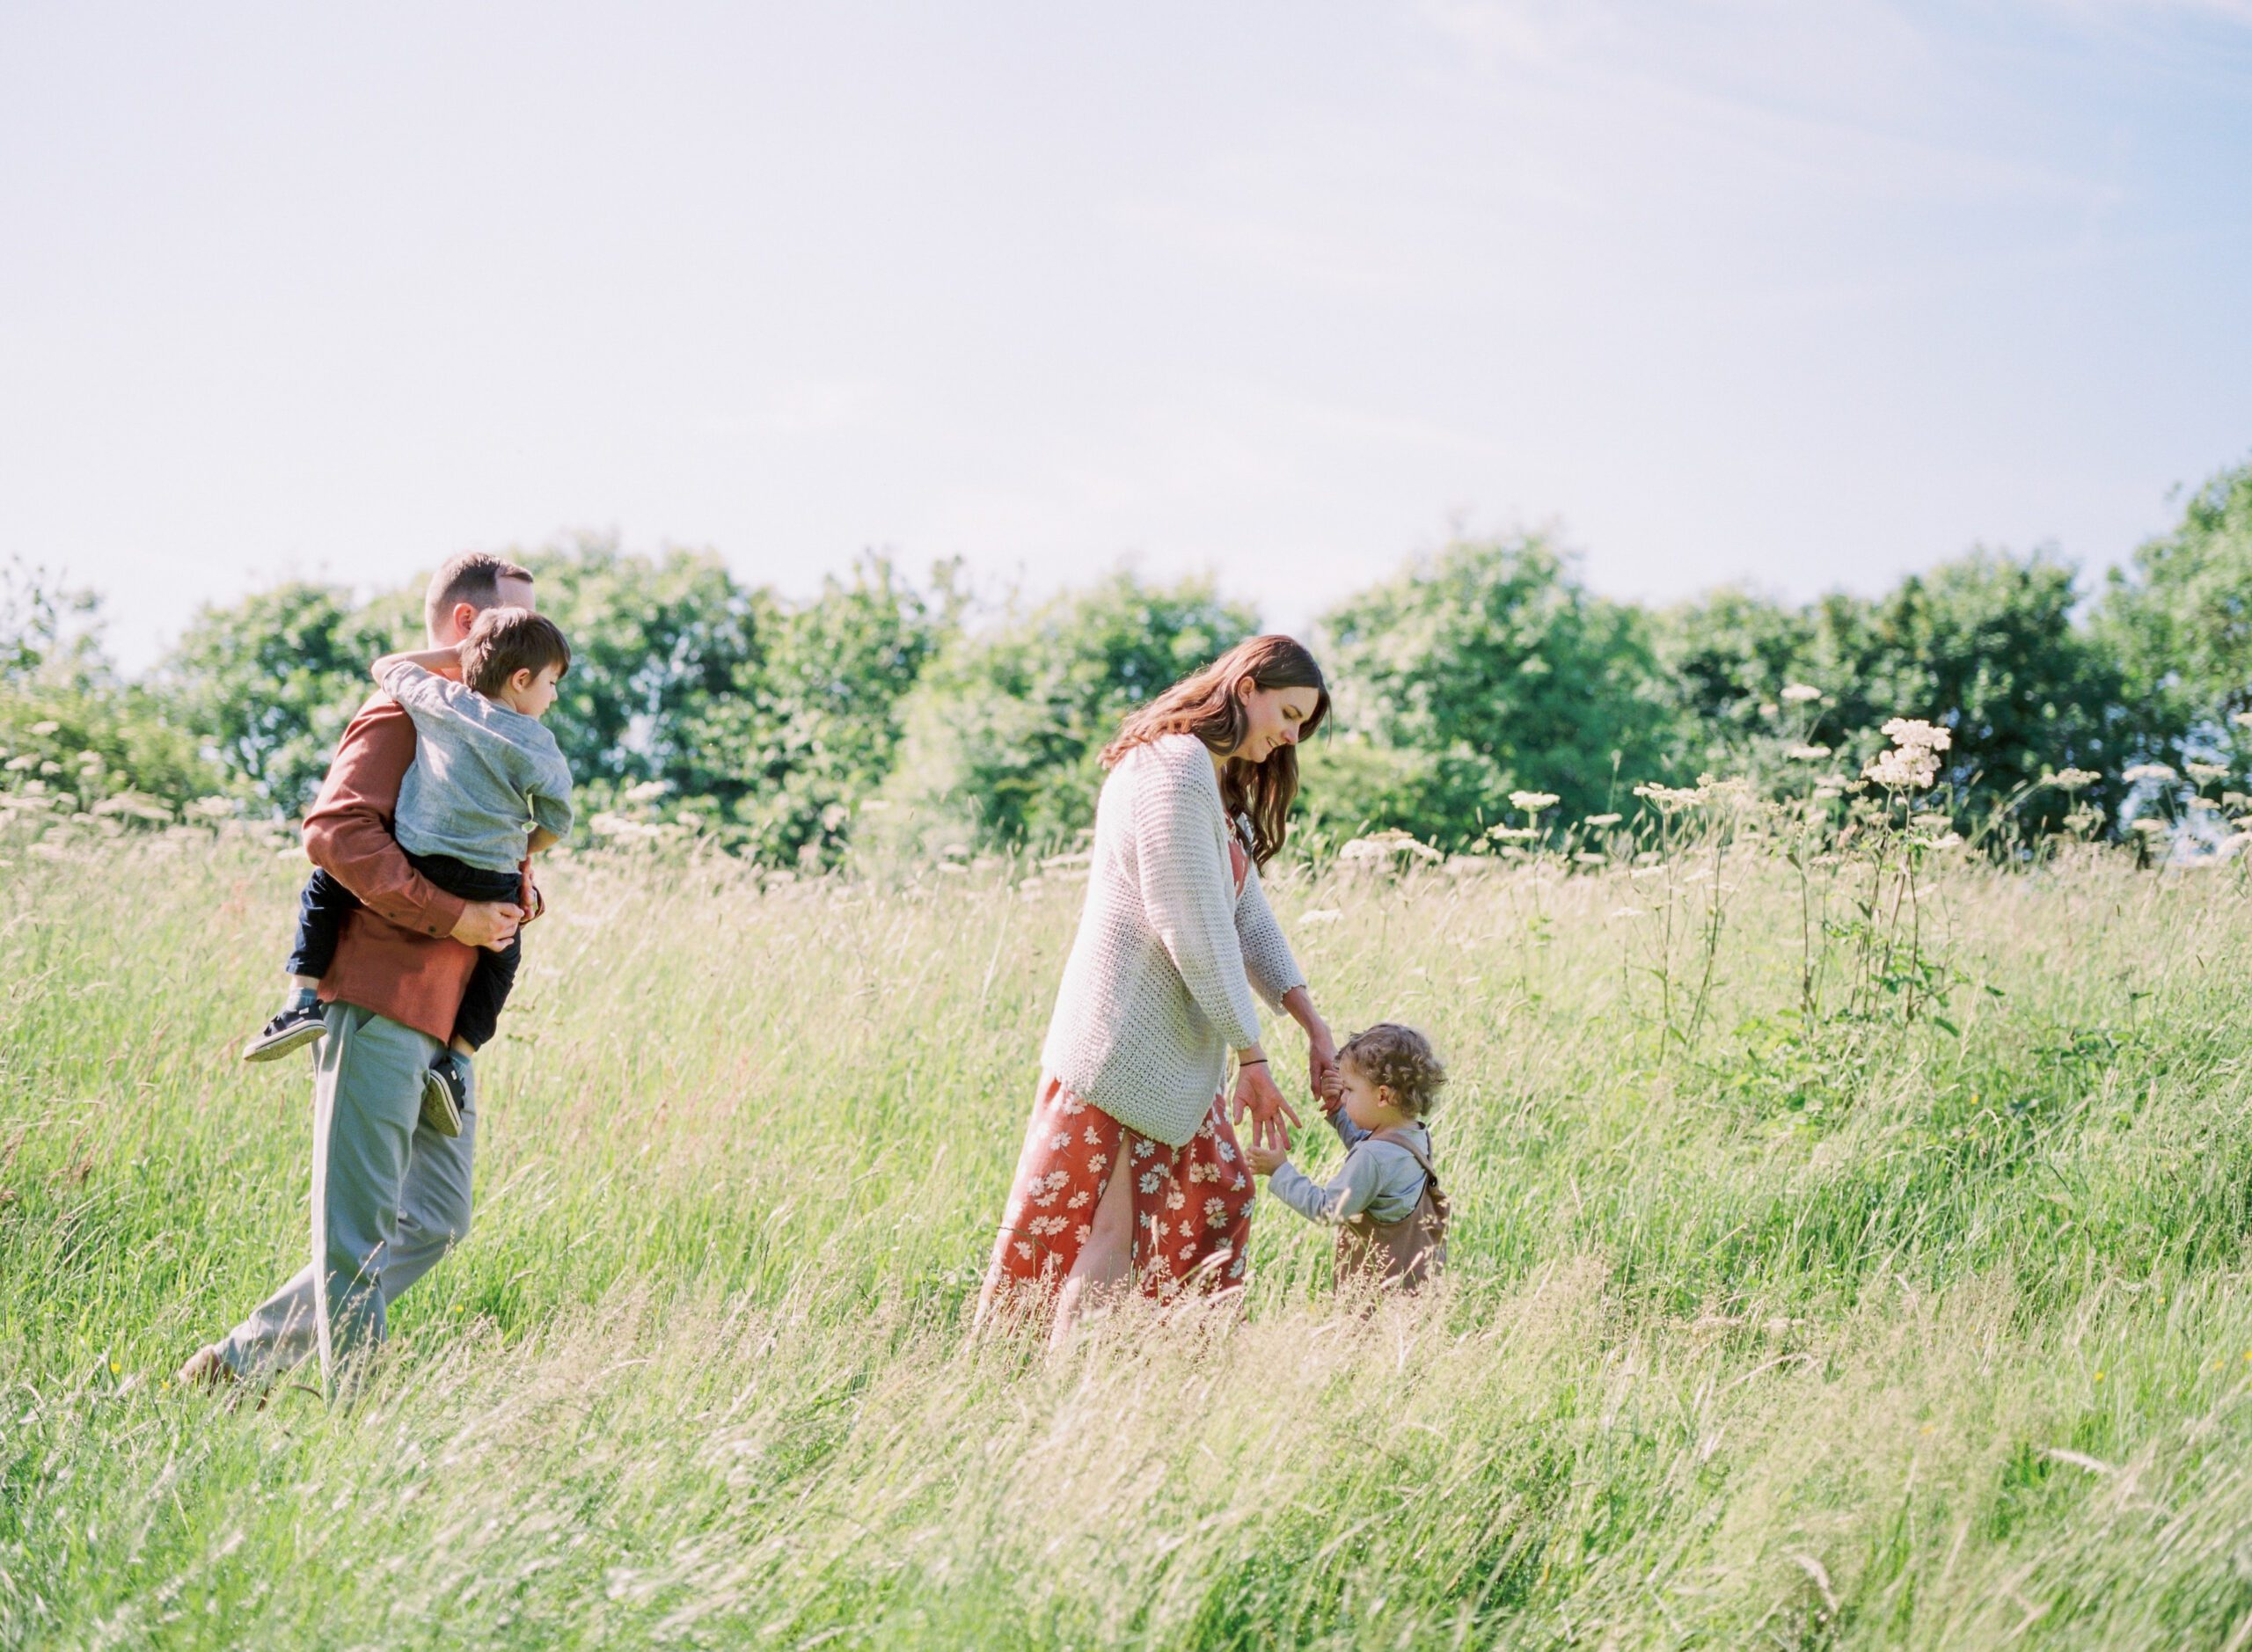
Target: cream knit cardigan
x,y
1157,988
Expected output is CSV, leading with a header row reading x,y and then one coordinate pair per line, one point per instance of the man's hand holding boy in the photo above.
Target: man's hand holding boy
x,y
490,924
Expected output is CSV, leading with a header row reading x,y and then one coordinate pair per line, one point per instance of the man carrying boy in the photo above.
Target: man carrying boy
x,y
390,1195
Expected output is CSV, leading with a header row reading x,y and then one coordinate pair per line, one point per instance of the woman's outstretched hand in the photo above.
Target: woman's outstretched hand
x,y
1257,1094
1323,1076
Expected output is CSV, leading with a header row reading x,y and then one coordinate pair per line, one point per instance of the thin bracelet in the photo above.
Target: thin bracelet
x,y
1242,1064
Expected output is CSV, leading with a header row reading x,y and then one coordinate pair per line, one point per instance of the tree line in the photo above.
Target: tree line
x,y
892,714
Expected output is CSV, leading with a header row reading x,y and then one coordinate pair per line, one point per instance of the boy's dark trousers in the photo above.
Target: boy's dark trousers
x,y
320,920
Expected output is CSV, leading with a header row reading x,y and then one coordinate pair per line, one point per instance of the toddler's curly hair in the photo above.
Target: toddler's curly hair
x,y
1400,1059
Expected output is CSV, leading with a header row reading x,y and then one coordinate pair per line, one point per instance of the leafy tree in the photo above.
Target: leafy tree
x,y
84,744
1728,655
70,730
1493,664
1986,644
810,726
269,683
2179,619
47,631
653,640
1003,729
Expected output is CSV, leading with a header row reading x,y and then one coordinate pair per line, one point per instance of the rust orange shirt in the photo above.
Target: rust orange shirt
x,y
397,955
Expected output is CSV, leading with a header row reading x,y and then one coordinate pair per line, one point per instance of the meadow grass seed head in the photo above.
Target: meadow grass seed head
x,y
1603,820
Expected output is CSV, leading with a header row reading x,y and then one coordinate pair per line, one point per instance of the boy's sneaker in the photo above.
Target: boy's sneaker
x,y
294,1029
443,1094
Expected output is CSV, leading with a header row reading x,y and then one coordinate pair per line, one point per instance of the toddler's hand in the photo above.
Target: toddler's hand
x,y
1265,1161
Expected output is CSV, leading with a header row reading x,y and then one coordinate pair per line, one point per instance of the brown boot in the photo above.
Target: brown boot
x,y
206,1371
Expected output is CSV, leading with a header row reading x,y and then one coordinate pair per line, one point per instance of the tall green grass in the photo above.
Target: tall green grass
x,y
1802,1334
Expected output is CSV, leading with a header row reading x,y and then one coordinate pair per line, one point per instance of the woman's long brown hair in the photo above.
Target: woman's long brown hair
x,y
1205,705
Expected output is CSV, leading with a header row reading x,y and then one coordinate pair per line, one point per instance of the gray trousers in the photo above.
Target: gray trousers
x,y
391,1196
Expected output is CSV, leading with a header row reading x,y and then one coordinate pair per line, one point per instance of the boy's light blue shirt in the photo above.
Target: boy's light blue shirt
x,y
1381,1178
482,775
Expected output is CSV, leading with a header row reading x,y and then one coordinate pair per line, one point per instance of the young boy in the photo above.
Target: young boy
x,y
486,772
1385,1198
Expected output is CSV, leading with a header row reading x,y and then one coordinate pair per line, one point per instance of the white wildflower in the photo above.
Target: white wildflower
x,y
1603,820
2157,773
1511,834
1589,857
1904,769
2151,824
2202,772
2242,720
2072,780
47,727
1669,798
1806,754
1382,848
1913,733
1532,802
1800,693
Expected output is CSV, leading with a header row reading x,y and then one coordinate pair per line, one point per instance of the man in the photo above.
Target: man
x,y
390,1195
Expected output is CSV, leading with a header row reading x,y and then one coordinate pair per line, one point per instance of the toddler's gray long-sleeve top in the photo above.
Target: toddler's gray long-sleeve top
x,y
1381,1178
483,773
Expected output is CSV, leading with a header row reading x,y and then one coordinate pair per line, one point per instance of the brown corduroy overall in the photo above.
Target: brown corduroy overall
x,y
1396,1255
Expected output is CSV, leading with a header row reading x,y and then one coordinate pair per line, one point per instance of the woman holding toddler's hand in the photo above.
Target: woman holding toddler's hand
x,y
1175,937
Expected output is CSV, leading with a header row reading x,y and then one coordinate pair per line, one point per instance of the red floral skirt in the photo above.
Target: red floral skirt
x,y
1192,1204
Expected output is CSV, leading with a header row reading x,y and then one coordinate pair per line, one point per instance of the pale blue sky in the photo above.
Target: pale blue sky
x,y
1801,294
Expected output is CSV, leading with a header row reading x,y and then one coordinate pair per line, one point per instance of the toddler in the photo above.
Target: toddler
x,y
1384,1199
486,772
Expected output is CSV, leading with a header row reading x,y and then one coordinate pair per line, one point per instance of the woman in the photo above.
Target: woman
x,y
1175,936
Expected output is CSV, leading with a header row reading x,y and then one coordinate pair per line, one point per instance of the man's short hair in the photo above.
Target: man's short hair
x,y
507,640
473,577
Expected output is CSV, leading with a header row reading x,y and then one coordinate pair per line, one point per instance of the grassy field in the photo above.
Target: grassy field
x,y
1773,1329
